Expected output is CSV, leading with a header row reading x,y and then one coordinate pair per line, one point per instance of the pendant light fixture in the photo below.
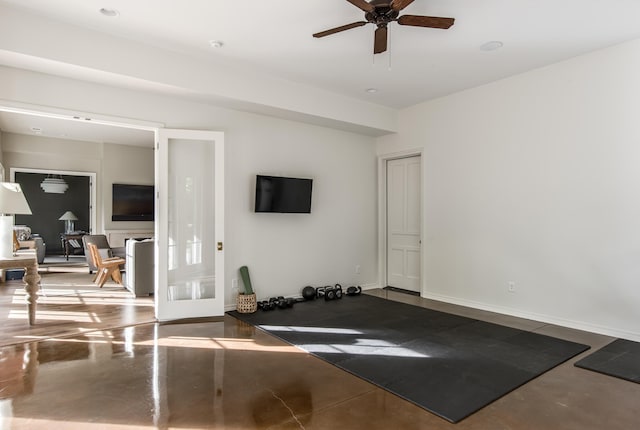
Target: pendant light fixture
x,y
54,184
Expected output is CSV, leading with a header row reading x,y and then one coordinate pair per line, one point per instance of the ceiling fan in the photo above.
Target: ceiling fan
x,y
381,13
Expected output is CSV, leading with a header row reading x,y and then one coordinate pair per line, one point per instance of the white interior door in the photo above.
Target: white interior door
x,y
189,224
403,223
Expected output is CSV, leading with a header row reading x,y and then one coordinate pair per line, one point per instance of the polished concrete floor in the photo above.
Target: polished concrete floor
x,y
68,303
226,374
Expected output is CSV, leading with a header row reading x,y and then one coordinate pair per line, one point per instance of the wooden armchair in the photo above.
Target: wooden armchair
x,y
105,267
16,243
105,250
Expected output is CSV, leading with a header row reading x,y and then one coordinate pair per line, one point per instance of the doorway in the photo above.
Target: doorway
x,y
403,223
205,289
47,207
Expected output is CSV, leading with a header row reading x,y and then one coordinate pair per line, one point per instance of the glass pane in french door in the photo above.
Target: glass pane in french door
x,y
191,220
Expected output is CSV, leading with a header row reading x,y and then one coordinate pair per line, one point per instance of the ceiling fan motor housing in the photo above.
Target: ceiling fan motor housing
x,y
383,13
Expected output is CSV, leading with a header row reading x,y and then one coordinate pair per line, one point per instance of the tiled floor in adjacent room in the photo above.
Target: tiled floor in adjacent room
x,y
226,374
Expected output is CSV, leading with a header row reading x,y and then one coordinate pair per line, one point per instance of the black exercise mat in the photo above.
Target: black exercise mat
x,y
447,364
620,358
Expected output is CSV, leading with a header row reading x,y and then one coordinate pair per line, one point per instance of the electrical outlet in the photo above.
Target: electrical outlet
x,y
357,269
511,287
234,284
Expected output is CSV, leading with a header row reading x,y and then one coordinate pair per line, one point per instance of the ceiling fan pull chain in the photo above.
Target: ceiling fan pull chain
x,y
389,53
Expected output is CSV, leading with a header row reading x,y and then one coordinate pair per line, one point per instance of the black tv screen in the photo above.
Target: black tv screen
x,y
132,202
283,195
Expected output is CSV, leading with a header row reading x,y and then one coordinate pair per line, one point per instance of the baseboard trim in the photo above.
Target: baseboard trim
x,y
544,318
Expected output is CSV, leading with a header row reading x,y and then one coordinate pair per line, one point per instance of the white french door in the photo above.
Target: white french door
x,y
189,224
403,196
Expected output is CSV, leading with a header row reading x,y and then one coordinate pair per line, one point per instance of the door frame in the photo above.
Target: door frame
x,y
165,309
92,187
155,127
382,213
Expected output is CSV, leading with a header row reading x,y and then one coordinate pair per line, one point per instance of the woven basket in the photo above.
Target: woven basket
x,y
247,303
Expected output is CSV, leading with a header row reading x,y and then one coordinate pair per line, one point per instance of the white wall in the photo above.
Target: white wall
x,y
123,164
283,252
535,179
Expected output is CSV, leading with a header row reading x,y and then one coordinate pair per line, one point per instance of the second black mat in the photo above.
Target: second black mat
x,y
620,358
449,365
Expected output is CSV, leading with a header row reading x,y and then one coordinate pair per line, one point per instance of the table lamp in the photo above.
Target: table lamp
x,y
68,217
12,202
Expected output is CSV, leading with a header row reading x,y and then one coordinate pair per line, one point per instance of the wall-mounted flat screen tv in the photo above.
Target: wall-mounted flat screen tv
x,y
283,195
132,202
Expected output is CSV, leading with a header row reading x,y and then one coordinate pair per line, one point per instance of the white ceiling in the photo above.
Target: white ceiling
x,y
36,125
274,38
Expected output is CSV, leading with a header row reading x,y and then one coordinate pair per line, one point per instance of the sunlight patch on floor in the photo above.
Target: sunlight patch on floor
x,y
42,316
219,343
327,330
391,351
9,422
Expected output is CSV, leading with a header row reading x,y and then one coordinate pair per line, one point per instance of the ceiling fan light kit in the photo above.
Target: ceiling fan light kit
x,y
381,13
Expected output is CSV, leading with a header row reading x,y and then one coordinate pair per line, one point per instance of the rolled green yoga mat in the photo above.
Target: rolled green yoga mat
x,y
244,272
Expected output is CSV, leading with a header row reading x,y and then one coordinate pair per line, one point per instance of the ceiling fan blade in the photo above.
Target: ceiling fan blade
x,y
339,29
362,4
380,40
398,5
426,21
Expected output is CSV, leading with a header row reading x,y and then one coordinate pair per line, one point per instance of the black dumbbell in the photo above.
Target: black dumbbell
x,y
354,291
282,303
329,293
266,306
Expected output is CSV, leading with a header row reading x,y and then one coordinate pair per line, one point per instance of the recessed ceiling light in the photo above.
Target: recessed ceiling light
x,y
491,45
371,90
109,12
216,43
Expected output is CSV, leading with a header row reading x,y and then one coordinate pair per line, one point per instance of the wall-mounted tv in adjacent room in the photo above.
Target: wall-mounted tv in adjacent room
x,y
283,195
132,202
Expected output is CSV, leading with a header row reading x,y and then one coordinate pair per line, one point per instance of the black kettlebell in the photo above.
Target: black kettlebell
x,y
338,291
354,291
282,303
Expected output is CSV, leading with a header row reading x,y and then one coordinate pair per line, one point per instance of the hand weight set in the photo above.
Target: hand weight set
x,y
276,302
329,292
